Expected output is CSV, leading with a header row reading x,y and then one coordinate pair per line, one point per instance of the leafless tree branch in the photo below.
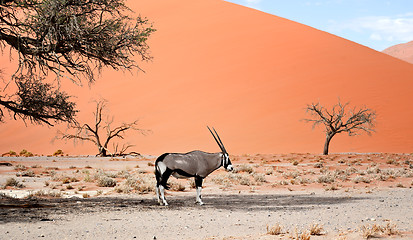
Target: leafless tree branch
x,y
339,119
93,134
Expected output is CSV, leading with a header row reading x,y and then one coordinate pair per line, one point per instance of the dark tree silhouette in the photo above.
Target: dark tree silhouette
x,y
101,132
71,39
341,119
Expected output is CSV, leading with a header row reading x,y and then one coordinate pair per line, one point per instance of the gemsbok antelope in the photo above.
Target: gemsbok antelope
x,y
197,164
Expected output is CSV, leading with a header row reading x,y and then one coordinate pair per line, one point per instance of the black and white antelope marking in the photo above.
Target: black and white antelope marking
x,y
197,164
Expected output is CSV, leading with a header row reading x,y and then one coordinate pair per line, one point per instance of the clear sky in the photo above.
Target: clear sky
x,y
377,24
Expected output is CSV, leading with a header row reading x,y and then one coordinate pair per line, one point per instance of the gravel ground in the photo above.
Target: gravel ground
x,y
229,215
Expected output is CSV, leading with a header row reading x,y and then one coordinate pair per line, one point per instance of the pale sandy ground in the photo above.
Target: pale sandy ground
x,y
231,212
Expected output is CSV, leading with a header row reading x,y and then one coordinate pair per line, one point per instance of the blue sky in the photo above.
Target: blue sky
x,y
377,24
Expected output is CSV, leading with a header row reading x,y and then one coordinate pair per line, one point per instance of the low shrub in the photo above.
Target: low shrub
x,y
20,167
328,178
277,229
25,153
106,182
28,173
12,182
142,183
259,178
58,152
42,193
244,168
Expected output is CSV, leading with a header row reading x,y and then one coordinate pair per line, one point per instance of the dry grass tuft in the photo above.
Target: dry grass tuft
x,y
390,229
244,168
296,235
20,167
142,183
359,179
376,231
12,182
106,182
229,179
177,186
27,173
316,229
328,178
332,187
48,194
277,229
259,178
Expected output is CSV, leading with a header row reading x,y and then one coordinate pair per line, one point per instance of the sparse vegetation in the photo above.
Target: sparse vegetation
x,y
105,181
244,168
142,183
12,182
363,179
327,178
10,153
177,186
269,171
58,152
375,231
25,153
316,229
20,167
27,173
259,178
277,229
46,194
297,235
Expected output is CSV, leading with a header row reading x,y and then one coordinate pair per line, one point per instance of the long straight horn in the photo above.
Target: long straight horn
x,y
216,140
220,141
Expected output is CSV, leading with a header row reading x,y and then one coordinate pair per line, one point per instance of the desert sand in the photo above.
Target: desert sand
x,y
247,73
63,198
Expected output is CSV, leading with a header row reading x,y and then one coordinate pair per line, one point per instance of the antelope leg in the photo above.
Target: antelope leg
x,y
198,184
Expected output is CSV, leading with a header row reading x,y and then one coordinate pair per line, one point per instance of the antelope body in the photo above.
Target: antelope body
x,y
197,164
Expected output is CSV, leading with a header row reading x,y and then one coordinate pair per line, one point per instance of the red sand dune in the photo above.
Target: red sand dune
x,y
402,51
247,73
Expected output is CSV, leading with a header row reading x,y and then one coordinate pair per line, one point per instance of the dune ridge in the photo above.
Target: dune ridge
x,y
403,51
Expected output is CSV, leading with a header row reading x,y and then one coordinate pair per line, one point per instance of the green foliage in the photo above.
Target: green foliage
x,y
58,152
71,39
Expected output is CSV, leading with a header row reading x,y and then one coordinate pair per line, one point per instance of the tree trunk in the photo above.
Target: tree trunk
x,y
327,143
102,151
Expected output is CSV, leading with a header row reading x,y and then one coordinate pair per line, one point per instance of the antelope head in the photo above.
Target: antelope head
x,y
226,162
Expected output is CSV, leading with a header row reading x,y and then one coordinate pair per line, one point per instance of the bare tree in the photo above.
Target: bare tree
x,y
340,119
71,39
101,132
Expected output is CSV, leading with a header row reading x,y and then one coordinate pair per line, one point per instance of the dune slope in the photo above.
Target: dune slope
x,y
402,51
247,73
